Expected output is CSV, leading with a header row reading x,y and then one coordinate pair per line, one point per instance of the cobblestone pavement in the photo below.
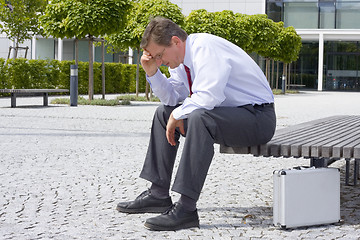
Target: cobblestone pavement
x,y
63,170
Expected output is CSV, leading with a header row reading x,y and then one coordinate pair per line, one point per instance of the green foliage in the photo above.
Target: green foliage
x,y
3,74
80,18
23,73
253,33
83,101
20,18
139,18
290,44
202,21
263,32
136,98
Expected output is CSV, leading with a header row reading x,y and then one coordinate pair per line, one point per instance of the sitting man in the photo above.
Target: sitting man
x,y
216,94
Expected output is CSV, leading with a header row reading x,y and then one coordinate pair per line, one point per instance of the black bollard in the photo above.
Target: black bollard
x,y
73,85
283,84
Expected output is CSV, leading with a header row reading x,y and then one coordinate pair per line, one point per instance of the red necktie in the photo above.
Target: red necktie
x,y
187,70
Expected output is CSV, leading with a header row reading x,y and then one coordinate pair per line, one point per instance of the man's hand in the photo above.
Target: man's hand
x,y
170,129
149,63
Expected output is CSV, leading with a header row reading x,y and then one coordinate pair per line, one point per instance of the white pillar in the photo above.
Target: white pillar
x,y
131,54
321,62
33,47
60,49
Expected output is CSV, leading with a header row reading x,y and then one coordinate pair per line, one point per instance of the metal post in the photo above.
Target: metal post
x,y
73,85
283,84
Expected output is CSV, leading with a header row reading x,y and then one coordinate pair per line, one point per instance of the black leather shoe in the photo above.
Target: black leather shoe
x,y
175,218
145,203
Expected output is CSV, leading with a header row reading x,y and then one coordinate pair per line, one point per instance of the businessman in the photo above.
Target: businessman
x,y
216,94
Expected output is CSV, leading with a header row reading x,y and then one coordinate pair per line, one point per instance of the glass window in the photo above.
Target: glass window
x,y
327,15
301,14
342,64
347,15
274,10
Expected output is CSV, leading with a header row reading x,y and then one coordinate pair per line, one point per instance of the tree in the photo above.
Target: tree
x,y
20,20
253,33
202,21
85,18
138,19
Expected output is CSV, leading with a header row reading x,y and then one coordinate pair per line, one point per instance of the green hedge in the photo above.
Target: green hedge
x,y
23,73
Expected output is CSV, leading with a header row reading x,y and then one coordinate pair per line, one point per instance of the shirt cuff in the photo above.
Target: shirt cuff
x,y
152,80
177,114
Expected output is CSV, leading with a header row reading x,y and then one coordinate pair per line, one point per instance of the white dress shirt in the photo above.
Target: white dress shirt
x,y
222,75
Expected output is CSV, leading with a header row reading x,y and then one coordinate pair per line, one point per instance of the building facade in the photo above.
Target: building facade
x,y
330,56
330,32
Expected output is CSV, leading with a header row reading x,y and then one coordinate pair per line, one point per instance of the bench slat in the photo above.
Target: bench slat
x,y
357,151
331,137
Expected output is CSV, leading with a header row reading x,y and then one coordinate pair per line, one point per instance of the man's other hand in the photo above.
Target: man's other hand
x,y
170,129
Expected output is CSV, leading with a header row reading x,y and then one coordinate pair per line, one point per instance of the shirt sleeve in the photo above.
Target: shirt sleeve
x,y
171,91
211,70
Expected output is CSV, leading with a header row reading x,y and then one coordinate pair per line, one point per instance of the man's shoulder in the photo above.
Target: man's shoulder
x,y
203,39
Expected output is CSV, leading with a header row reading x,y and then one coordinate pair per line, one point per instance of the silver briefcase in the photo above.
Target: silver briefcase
x,y
306,197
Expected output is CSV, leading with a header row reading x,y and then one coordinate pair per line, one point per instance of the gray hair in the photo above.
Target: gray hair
x,y
160,30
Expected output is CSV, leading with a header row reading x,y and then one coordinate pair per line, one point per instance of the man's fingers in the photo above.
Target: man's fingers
x,y
181,128
170,136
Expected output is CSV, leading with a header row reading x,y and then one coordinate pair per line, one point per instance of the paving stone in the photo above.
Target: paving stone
x,y
63,170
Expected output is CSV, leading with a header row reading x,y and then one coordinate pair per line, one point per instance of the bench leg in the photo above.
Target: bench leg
x,y
13,100
320,162
356,171
347,170
46,99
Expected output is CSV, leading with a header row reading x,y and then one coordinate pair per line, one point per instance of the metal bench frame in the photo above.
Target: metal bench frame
x,y
30,93
323,141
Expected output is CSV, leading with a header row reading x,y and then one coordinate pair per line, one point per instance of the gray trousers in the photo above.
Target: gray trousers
x,y
231,126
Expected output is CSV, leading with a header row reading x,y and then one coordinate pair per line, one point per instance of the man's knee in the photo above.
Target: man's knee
x,y
164,111
196,115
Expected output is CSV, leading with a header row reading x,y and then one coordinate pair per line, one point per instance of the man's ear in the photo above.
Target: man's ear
x,y
175,40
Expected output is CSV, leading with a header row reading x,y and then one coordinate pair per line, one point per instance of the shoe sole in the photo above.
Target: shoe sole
x,y
172,228
143,210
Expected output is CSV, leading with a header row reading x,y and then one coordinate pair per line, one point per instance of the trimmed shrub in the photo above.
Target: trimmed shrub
x,y
22,73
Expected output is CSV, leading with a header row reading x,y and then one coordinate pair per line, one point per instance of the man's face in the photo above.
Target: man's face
x,y
170,56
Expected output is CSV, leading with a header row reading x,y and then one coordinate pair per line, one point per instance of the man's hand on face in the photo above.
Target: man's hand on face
x,y
170,129
149,63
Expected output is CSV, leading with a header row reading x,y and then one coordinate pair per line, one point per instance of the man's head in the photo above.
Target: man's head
x,y
160,31
165,42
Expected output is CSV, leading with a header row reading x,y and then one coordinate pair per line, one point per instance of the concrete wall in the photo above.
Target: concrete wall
x,y
237,6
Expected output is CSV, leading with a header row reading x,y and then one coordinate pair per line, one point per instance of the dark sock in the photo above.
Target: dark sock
x,y
188,203
159,192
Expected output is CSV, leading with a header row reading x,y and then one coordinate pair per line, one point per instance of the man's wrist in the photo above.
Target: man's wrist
x,y
152,74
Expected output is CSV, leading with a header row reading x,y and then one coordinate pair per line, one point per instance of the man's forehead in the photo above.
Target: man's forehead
x,y
153,48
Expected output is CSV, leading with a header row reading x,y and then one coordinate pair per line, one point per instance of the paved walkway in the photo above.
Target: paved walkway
x,y
63,169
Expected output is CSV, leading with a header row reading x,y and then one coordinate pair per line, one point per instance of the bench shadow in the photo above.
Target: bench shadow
x,y
35,106
262,216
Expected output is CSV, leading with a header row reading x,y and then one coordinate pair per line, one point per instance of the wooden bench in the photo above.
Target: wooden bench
x,y
31,92
323,141
296,86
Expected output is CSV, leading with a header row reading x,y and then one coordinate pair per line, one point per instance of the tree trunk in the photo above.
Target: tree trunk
x,y
277,74
147,90
76,51
284,74
103,68
137,71
272,72
266,69
289,75
16,49
91,71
